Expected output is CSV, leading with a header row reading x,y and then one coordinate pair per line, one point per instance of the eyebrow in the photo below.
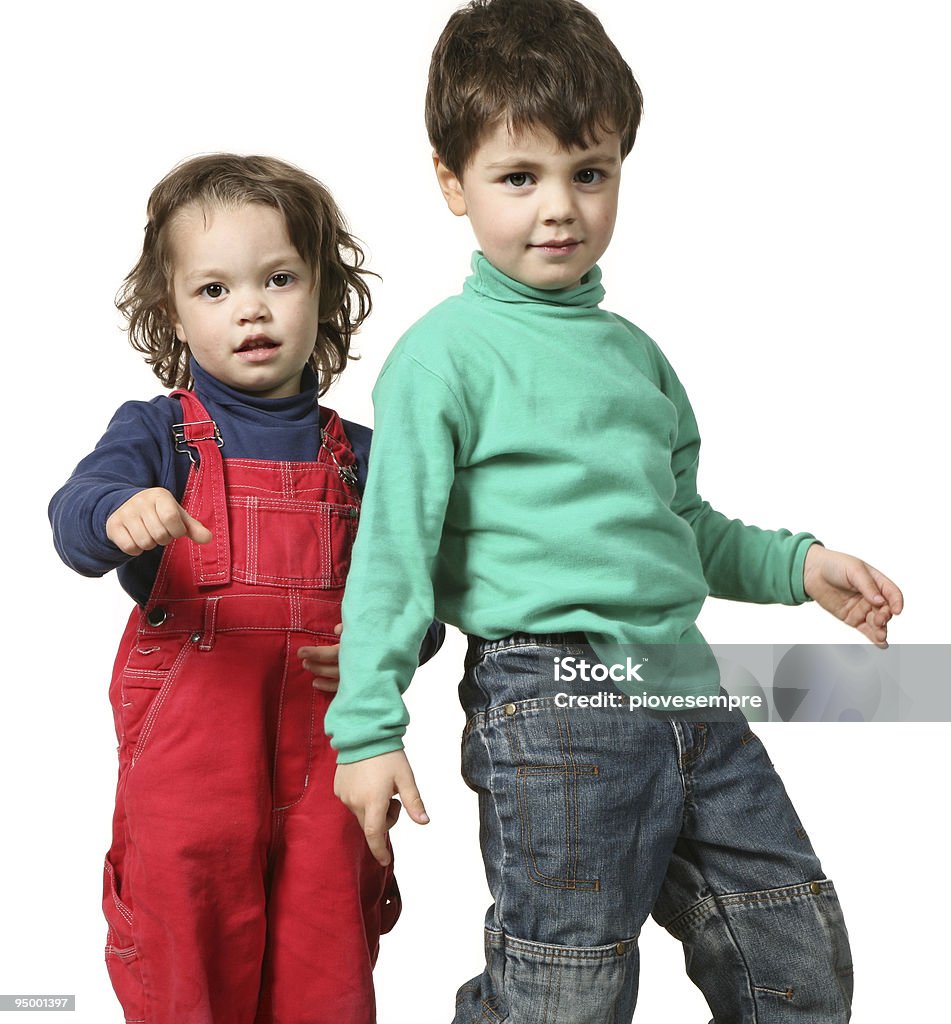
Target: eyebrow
x,y
203,274
277,260
588,158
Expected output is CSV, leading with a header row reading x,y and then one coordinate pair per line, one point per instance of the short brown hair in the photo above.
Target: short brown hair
x,y
529,63
315,226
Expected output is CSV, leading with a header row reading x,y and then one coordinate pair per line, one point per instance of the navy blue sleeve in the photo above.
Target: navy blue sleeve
x,y
359,437
134,453
432,641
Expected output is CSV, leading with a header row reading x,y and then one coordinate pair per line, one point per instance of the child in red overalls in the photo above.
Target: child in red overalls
x,y
237,888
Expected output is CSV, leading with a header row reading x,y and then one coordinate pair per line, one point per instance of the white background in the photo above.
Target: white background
x,y
783,235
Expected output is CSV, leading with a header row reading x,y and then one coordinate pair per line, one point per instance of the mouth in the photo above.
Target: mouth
x,y
255,342
558,246
257,348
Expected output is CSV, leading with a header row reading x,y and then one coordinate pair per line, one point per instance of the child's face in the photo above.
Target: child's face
x,y
245,301
542,214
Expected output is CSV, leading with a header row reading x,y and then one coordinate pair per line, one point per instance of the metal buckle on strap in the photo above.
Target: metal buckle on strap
x,y
347,473
182,444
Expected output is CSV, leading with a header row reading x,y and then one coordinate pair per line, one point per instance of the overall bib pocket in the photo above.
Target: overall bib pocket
x,y
312,552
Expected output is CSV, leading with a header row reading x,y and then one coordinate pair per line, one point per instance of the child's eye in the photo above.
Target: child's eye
x,y
281,280
518,179
590,176
212,291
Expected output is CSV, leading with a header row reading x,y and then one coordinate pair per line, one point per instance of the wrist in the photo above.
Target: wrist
x,y
811,567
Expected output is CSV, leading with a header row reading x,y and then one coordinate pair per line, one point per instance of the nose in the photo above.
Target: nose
x,y
252,307
557,204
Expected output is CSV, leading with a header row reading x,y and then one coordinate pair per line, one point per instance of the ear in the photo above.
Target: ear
x,y
177,327
451,187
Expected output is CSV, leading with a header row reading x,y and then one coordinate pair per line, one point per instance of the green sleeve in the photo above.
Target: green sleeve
x,y
740,562
388,603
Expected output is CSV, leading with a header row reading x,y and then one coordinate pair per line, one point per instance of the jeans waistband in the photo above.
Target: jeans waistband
x,y
479,646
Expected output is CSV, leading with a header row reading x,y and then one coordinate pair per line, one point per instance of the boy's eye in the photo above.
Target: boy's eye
x,y
519,179
213,291
589,176
281,280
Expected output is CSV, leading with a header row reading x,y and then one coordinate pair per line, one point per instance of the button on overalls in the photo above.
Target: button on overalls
x,y
238,889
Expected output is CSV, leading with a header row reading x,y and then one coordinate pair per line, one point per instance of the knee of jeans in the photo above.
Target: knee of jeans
x,y
787,945
552,984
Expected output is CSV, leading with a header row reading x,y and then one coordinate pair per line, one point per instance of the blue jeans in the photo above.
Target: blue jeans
x,y
592,818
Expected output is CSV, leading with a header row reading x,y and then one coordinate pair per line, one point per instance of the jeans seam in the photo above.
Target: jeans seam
x,y
553,952
779,894
489,1008
493,790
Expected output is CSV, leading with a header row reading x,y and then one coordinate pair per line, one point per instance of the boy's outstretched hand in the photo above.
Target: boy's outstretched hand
x,y
324,662
852,591
150,518
368,788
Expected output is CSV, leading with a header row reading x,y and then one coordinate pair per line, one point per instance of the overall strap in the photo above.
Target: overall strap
x,y
211,562
335,447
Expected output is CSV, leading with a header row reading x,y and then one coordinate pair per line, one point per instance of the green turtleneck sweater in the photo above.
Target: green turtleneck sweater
x,y
533,468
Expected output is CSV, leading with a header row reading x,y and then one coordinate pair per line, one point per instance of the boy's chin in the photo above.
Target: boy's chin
x,y
544,278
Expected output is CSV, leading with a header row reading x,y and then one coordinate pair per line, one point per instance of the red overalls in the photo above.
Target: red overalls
x,y
238,889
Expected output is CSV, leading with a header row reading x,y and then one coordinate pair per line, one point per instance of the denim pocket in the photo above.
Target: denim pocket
x,y
551,787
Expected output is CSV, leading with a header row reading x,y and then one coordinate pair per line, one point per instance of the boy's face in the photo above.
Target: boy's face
x,y
245,301
542,214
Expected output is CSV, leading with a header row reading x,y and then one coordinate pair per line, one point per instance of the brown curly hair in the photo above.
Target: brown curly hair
x,y
316,228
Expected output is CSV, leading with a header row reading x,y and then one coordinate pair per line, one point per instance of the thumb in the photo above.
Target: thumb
x,y
194,530
862,580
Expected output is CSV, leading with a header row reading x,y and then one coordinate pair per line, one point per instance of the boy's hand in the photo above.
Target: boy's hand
x,y
852,591
324,663
368,787
150,518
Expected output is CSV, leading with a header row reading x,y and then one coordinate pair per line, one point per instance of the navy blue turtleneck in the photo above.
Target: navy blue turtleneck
x,y
137,452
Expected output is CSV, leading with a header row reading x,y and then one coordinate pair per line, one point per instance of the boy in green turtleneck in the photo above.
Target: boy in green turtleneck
x,y
533,481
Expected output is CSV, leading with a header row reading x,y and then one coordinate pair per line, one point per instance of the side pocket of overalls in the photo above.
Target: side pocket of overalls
x,y
144,686
140,687
122,959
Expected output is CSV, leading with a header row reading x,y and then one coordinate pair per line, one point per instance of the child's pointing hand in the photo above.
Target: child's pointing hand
x,y
368,788
150,518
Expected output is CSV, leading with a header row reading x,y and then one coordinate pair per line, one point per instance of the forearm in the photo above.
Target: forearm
x,y
132,455
740,561
78,513
387,609
388,604
745,563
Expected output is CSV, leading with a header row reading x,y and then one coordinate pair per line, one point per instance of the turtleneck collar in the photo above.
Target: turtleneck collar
x,y
249,406
490,282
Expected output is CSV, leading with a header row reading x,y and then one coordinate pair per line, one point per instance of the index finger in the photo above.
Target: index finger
x,y
315,653
374,828
892,594
326,653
